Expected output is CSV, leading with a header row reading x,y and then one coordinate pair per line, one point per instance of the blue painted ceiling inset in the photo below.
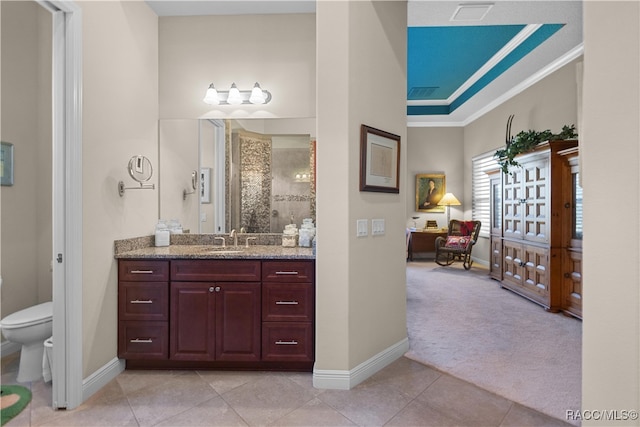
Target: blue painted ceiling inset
x,y
451,64
445,57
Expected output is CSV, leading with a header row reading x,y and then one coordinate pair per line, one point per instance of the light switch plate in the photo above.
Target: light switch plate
x,y
377,227
362,227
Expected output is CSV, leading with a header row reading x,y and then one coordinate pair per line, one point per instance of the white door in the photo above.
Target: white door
x,y
67,204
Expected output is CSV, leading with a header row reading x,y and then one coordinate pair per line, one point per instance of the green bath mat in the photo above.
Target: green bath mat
x,y
14,399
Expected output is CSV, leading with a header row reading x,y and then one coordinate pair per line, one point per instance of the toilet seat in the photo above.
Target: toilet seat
x,y
30,316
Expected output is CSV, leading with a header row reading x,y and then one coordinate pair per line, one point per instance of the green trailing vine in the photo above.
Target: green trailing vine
x,y
526,141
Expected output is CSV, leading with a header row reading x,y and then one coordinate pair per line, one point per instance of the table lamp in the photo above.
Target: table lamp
x,y
449,200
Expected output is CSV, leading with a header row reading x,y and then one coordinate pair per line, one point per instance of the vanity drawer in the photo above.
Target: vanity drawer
x,y
282,302
288,271
143,340
282,341
143,300
143,271
215,270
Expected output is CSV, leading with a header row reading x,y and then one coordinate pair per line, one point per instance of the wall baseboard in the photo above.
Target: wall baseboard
x,y
102,377
346,380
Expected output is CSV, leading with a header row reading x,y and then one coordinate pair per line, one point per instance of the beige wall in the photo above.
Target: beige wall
x,y
361,298
26,123
610,155
119,120
278,51
435,150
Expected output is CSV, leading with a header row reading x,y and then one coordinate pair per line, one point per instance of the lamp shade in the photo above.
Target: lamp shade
x,y
211,97
234,95
257,96
449,200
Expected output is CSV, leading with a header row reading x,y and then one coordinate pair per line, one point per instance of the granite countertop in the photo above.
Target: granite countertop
x,y
218,252
205,246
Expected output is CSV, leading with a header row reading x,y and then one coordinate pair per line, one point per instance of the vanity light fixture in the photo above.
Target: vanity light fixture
x,y
235,96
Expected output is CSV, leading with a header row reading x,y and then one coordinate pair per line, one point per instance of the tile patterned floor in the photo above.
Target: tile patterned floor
x,y
405,393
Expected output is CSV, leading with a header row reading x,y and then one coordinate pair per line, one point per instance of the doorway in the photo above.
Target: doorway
x,y
61,180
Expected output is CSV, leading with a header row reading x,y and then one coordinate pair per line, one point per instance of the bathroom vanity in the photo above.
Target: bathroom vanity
x,y
208,307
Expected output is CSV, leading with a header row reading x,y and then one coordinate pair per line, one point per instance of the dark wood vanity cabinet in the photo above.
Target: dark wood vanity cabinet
x,y
217,313
288,310
143,309
216,317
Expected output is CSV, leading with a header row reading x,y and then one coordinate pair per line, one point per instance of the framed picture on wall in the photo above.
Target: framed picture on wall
x,y
430,187
379,160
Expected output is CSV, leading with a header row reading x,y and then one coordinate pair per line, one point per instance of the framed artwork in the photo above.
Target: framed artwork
x,y
429,190
205,185
6,163
379,160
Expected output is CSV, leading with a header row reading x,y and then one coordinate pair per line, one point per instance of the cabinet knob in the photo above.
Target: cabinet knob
x,y
214,289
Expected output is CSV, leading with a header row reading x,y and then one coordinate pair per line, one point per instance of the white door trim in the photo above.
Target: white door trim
x,y
67,203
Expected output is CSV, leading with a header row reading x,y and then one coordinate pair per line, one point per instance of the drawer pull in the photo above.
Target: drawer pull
x,y
292,342
138,301
286,302
148,340
141,271
286,273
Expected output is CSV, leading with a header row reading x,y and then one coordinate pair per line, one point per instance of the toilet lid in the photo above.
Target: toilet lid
x,y
29,316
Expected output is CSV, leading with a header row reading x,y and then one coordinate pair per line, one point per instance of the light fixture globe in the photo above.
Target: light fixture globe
x,y
257,96
211,97
234,95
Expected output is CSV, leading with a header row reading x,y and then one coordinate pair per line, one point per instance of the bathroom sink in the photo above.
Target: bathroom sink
x,y
223,250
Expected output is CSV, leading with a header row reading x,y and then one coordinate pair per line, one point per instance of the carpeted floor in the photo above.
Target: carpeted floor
x,y
461,322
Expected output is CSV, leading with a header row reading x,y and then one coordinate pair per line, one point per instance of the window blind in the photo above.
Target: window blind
x,y
481,193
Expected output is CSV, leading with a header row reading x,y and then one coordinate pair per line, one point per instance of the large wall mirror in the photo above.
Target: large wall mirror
x,y
253,175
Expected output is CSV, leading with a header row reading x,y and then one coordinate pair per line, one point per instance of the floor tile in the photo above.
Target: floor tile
x,y
521,416
467,404
224,381
420,414
314,413
368,404
408,376
263,401
213,413
155,404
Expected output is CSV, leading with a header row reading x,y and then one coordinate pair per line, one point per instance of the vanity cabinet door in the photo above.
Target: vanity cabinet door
x,y
215,321
192,324
238,321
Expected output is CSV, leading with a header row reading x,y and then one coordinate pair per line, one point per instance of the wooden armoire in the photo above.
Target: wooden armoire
x,y
536,227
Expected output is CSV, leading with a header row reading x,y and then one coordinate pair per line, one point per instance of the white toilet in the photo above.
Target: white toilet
x,y
29,327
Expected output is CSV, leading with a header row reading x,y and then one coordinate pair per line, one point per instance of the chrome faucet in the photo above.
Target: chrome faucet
x,y
235,237
224,241
249,239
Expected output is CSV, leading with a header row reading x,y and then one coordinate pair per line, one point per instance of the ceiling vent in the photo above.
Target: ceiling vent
x,y
421,92
471,12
